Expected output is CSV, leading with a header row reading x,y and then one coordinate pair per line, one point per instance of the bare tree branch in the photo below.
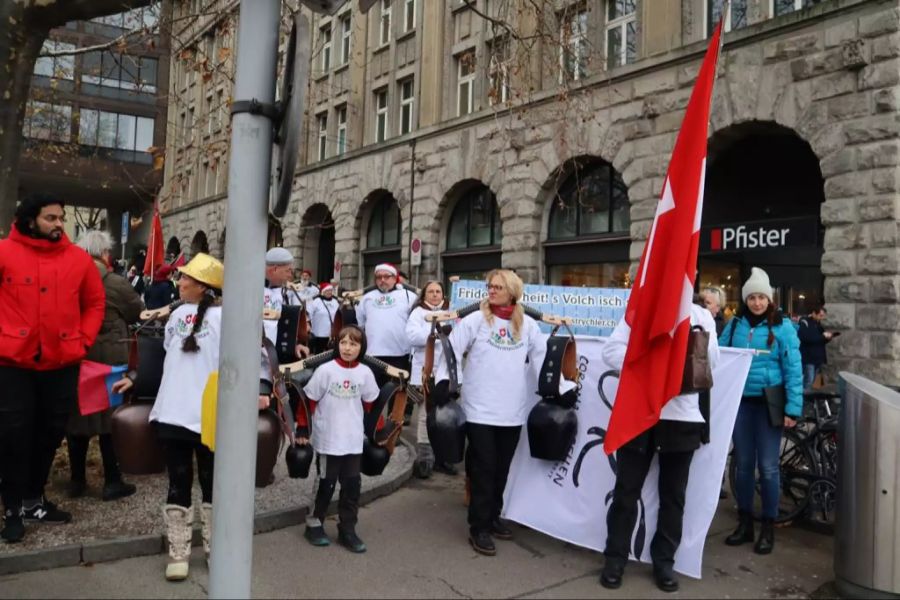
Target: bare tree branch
x,y
59,12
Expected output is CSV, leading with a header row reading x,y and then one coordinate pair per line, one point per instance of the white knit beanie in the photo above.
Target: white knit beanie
x,y
758,283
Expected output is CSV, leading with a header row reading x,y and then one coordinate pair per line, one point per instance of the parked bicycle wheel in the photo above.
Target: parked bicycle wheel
x,y
798,471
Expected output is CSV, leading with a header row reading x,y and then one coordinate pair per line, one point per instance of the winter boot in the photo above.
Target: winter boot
x,y
206,527
744,532
424,464
766,540
179,531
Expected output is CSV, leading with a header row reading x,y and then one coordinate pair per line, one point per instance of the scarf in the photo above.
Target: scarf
x,y
504,312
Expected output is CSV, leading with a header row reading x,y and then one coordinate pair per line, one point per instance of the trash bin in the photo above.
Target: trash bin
x,y
867,526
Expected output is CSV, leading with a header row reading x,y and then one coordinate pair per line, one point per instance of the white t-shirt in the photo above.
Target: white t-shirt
x,y
308,292
417,332
321,315
383,317
495,391
185,374
337,424
680,408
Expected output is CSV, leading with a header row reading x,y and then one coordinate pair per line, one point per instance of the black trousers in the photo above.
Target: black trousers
x,y
488,456
78,447
34,412
633,465
180,453
331,471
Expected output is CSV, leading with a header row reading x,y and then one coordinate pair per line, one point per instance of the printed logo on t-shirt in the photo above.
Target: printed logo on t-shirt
x,y
345,389
384,301
183,327
503,339
271,301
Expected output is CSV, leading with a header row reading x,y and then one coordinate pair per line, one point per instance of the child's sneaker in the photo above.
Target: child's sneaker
x,y
316,535
351,541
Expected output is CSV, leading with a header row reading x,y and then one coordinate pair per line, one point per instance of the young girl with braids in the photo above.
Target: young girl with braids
x,y
192,354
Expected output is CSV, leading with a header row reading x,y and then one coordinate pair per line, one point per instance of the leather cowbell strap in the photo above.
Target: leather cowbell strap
x,y
561,360
440,334
280,391
388,436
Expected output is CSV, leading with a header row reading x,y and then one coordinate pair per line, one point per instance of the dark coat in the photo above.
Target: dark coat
x,y
123,307
159,294
812,342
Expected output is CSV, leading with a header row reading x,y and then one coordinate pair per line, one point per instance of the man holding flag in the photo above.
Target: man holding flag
x,y
650,414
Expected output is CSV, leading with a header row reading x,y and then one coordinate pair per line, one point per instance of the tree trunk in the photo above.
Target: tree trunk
x,y
20,45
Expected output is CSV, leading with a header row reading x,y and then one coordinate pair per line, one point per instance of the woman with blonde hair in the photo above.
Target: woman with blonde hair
x,y
499,341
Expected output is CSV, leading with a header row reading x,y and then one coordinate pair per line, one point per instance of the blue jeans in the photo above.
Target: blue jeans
x,y
756,442
809,373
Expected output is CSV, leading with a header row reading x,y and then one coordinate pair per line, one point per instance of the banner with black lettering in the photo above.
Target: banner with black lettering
x,y
569,499
593,311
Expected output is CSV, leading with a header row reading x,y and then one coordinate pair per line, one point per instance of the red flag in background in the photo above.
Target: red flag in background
x,y
659,306
155,251
179,261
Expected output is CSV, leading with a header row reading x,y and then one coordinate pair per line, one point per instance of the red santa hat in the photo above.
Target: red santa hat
x,y
325,286
386,267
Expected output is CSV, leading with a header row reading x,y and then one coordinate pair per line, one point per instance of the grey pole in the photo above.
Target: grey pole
x,y
239,360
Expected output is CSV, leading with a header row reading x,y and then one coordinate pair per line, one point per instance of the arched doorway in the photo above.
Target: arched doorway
x,y
588,226
762,206
199,244
317,241
173,249
383,233
473,234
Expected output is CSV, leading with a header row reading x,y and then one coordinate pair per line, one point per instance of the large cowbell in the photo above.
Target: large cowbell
x,y
553,422
446,425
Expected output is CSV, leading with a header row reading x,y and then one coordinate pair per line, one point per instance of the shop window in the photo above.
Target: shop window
x,y
588,229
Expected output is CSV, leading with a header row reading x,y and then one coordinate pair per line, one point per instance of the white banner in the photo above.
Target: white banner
x,y
569,499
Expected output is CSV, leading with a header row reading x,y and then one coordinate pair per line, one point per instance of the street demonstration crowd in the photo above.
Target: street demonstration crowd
x,y
61,304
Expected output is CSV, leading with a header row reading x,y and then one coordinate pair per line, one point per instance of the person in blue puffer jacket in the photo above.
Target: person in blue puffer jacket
x,y
760,325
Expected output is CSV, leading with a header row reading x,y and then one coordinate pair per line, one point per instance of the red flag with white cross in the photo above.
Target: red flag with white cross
x,y
659,307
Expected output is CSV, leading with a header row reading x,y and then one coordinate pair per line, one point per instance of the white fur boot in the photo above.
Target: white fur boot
x,y
179,530
206,523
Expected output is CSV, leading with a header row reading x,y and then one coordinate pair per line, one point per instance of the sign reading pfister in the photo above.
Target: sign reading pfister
x,y
594,311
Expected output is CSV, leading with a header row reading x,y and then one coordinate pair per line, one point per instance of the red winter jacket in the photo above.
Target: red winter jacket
x,y
51,302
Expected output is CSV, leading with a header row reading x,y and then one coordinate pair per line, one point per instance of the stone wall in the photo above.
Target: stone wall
x,y
834,81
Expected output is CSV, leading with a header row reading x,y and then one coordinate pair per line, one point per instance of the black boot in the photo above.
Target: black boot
x,y
613,571
744,532
766,540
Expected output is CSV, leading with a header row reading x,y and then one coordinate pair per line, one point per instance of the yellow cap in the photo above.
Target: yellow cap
x,y
205,269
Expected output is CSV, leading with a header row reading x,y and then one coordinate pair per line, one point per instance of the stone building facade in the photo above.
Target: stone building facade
x,y
804,140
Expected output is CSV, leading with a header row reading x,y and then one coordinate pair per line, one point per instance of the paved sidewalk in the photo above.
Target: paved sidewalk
x,y
417,548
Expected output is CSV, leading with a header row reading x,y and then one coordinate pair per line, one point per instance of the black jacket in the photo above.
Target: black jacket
x,y
159,294
812,342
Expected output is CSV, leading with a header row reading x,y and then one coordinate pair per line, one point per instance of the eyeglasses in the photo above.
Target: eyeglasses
x,y
377,277
494,287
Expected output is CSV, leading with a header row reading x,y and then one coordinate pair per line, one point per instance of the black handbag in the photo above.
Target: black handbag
x,y
775,401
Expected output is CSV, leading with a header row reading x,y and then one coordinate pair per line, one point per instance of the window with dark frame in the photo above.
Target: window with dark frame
x,y
384,225
475,221
593,200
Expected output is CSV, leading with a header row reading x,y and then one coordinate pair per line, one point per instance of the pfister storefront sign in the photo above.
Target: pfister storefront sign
x,y
760,235
594,311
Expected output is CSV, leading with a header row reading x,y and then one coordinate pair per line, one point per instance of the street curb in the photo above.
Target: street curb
x,y
144,545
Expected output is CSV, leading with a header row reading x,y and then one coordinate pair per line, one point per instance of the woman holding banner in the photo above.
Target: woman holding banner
x,y
675,437
775,377
499,341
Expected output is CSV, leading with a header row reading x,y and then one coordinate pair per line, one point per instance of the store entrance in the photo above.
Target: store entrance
x,y
764,191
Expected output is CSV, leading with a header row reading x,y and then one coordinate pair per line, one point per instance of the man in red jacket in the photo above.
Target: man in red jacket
x,y
51,309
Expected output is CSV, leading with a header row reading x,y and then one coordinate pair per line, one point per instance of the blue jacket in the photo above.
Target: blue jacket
x,y
781,366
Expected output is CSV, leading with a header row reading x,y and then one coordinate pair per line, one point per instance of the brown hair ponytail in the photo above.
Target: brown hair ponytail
x,y
190,342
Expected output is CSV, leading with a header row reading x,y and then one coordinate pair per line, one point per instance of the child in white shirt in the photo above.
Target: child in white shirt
x,y
339,393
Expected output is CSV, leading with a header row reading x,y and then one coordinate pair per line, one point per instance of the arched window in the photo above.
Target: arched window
x,y
173,249
474,234
382,235
588,227
275,236
199,244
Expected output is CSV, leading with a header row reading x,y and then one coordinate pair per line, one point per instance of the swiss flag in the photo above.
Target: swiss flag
x,y
155,252
659,307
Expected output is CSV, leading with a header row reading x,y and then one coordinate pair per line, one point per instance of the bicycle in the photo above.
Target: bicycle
x,y
808,464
